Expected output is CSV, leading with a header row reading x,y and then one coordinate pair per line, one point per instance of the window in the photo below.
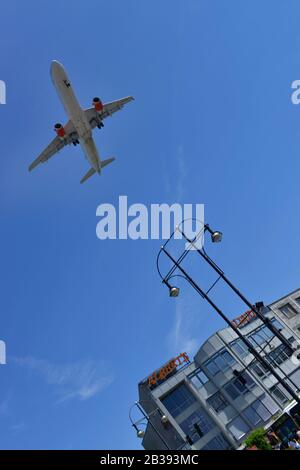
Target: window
x,y
252,416
278,355
260,336
178,400
197,425
277,324
261,410
297,299
217,443
288,310
270,404
260,370
240,348
267,332
244,382
212,367
232,391
220,362
217,402
227,358
279,395
256,413
238,427
198,378
240,385
291,339
242,388
256,339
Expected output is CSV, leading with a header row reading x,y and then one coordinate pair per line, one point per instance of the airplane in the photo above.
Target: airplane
x,y
78,130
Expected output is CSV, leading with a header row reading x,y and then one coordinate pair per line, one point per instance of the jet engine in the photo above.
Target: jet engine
x,y
60,130
97,103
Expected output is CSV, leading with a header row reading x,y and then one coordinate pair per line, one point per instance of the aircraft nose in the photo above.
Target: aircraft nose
x,y
55,69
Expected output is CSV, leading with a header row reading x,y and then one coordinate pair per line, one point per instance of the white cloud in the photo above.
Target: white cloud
x,y
175,184
182,336
81,380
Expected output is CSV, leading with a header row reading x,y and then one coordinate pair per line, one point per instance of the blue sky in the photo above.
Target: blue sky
x,y
212,122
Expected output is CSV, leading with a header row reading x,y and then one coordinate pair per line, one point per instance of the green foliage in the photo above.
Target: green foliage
x,y
258,438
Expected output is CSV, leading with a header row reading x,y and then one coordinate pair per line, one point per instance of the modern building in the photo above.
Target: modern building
x,y
214,401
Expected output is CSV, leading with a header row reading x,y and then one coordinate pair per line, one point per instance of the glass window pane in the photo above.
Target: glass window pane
x,y
195,381
252,415
217,443
220,362
212,367
197,425
202,377
217,402
278,355
178,400
232,391
257,339
279,395
240,348
198,378
249,381
237,349
288,310
228,358
240,386
261,410
238,427
267,332
271,406
277,324
260,370
243,383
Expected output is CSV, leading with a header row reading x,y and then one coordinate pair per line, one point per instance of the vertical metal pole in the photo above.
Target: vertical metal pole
x,y
242,297
236,330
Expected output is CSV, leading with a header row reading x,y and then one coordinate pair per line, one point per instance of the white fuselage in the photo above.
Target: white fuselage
x,y
75,114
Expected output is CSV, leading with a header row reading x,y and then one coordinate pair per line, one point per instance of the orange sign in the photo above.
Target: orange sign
x,y
166,370
242,320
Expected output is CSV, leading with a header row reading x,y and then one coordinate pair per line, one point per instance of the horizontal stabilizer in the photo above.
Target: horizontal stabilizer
x,y
88,175
107,162
91,171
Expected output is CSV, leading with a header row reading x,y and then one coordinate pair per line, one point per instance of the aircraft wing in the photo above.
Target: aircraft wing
x,y
56,145
95,117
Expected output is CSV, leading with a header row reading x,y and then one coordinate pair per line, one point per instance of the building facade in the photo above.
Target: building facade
x,y
214,401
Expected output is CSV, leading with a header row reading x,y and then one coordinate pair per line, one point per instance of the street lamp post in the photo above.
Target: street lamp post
x,y
140,433
216,237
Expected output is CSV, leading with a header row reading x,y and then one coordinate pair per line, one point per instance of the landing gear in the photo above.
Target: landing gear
x,y
100,125
75,142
